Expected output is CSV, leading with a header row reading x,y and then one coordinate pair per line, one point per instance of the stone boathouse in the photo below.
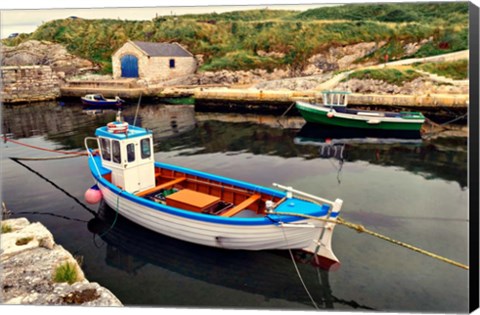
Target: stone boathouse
x,y
152,61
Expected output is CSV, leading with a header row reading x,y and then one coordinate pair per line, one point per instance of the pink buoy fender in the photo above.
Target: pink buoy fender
x,y
93,195
330,115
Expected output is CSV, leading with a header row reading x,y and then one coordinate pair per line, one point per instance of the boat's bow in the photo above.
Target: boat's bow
x,y
303,205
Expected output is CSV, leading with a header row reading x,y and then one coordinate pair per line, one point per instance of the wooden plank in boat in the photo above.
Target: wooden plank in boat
x,y
244,204
161,186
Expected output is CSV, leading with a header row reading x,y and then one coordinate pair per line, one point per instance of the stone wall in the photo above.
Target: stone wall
x,y
158,68
28,84
153,69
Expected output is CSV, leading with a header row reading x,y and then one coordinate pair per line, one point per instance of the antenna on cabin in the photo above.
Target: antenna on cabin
x,y
136,112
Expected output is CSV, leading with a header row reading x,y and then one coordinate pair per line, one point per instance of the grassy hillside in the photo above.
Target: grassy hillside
x,y
457,70
392,76
232,40
394,12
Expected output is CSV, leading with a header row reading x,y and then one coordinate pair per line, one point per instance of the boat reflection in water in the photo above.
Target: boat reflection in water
x,y
271,274
313,134
335,142
164,120
332,140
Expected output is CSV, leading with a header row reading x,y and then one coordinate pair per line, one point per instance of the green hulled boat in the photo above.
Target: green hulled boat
x,y
334,112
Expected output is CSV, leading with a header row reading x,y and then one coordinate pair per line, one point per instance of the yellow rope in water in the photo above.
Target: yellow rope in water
x,y
361,229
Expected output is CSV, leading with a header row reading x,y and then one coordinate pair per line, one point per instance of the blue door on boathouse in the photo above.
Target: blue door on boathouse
x,y
129,66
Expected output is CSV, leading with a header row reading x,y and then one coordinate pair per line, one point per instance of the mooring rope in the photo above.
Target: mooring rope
x,y
61,157
43,149
54,185
298,272
445,124
454,120
114,220
361,229
104,232
117,210
433,124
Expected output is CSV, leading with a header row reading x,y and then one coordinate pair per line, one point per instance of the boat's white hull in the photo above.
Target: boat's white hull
x,y
299,235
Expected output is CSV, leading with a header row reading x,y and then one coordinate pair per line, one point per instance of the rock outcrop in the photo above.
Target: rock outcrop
x,y
335,58
340,58
34,52
30,257
422,85
35,70
227,77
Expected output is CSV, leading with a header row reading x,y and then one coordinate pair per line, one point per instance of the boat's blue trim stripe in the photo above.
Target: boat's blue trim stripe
x,y
301,207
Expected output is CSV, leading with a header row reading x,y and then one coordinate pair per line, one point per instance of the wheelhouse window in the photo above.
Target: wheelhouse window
x,y
172,63
106,150
116,151
145,148
130,152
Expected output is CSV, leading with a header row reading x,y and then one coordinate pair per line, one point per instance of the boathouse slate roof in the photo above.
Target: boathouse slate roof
x,y
162,49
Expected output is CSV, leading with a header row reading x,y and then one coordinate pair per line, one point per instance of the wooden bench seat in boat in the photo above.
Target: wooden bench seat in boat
x,y
241,206
161,186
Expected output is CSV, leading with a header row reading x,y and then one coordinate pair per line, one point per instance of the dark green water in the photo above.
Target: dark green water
x,y
414,191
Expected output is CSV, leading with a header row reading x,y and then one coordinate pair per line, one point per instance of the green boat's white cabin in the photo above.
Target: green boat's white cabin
x,y
335,98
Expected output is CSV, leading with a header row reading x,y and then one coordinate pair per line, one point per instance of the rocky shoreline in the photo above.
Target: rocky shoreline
x,y
73,76
30,259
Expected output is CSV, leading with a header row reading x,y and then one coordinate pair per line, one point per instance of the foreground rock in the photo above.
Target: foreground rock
x,y
30,257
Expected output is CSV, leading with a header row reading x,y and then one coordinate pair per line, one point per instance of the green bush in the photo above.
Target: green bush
x,y
392,76
391,12
398,15
66,272
241,60
457,70
448,40
6,228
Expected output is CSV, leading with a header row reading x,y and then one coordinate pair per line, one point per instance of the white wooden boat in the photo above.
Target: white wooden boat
x,y
203,208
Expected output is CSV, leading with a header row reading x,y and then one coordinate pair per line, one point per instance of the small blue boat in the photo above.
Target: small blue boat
x,y
98,101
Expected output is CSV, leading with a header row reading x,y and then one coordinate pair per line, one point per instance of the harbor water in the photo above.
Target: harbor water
x,y
413,190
